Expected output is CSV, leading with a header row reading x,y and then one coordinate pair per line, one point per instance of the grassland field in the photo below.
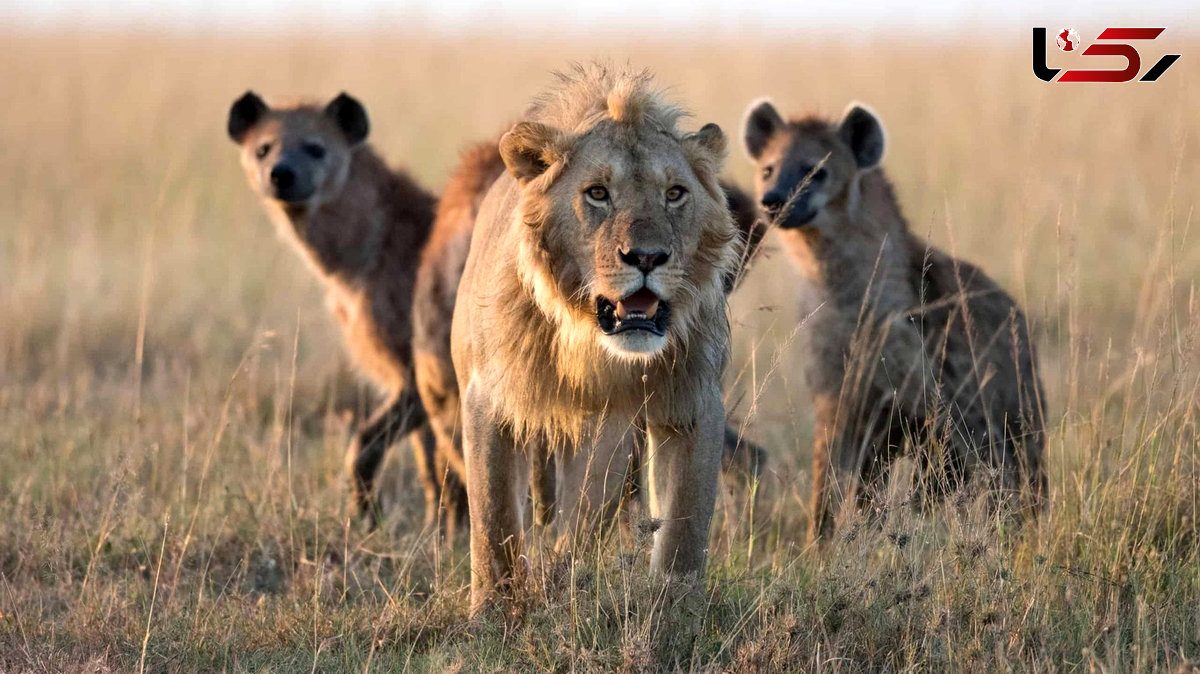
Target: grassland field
x,y
173,397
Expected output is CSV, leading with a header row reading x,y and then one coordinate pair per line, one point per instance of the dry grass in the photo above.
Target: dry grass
x,y
170,448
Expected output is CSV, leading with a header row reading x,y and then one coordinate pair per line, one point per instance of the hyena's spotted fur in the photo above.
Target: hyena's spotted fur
x,y
908,345
361,227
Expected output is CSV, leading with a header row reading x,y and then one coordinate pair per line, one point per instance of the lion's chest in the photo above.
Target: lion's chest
x,y
545,395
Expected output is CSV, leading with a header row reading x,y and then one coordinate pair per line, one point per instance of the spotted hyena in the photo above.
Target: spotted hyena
x,y
361,227
910,347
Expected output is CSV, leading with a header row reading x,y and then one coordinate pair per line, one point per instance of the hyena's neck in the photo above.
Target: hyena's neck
x,y
862,252
380,218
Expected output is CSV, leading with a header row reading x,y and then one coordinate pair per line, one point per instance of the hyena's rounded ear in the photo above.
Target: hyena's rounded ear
x,y
350,116
530,148
862,131
761,122
244,114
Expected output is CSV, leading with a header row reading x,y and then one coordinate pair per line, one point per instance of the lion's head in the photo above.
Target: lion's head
x,y
626,232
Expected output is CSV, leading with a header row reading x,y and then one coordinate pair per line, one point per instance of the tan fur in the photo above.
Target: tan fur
x,y
908,345
531,361
361,232
442,263
433,310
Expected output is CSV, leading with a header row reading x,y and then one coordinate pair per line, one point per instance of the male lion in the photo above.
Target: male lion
x,y
593,299
907,342
442,263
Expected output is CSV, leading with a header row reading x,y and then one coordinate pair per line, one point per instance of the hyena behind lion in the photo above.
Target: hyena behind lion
x,y
908,346
361,227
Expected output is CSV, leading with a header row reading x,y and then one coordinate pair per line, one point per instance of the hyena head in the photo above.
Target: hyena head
x,y
298,155
808,166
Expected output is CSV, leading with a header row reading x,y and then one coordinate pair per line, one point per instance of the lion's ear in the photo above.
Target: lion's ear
x,y
706,151
711,139
529,148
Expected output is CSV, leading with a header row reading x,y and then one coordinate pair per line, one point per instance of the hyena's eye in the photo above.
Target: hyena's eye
x,y
314,150
767,172
262,150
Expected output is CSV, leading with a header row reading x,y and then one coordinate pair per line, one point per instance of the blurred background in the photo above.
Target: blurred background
x,y
854,20
134,248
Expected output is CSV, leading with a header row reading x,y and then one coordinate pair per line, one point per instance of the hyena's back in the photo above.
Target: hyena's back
x,y
981,349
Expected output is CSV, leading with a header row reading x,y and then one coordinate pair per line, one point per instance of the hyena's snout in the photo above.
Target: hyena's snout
x,y
290,183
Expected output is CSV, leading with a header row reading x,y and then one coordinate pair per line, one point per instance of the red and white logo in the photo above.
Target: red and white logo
x,y
1110,42
1068,40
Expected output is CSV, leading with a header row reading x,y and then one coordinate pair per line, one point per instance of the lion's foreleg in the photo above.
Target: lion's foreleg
x,y
496,485
683,464
438,389
424,446
591,482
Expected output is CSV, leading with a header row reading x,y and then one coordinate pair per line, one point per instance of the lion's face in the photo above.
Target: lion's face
x,y
627,229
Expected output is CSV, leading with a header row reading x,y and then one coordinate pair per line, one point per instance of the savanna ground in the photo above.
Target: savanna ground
x,y
172,392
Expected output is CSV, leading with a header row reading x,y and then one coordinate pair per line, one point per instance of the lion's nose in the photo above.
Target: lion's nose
x,y
645,260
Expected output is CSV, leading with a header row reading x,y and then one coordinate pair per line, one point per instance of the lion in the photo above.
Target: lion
x,y
593,298
437,281
909,346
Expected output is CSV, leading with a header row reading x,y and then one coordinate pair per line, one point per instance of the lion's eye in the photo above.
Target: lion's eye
x,y
314,150
597,193
262,150
767,172
675,194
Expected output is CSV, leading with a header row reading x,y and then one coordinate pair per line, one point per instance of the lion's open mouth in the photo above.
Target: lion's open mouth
x,y
643,310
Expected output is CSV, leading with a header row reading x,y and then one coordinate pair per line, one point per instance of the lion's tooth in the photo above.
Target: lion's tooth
x,y
652,309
